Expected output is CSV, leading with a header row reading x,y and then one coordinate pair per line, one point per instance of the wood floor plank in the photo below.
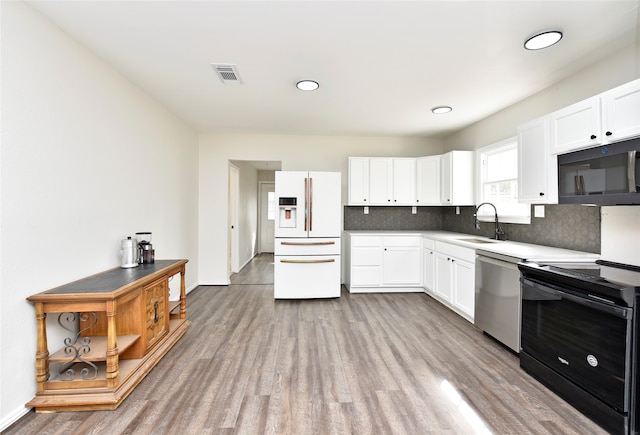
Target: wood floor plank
x,y
358,364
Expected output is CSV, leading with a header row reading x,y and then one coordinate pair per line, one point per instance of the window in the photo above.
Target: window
x,y
498,184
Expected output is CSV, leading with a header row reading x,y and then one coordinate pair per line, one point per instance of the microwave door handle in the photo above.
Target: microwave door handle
x,y
631,171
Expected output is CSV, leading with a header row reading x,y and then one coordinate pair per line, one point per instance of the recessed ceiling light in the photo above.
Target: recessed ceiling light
x,y
441,109
542,39
307,85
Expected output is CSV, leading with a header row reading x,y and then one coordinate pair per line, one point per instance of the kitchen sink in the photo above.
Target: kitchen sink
x,y
474,240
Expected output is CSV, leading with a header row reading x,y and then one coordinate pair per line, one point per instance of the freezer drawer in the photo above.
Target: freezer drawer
x,y
306,276
304,246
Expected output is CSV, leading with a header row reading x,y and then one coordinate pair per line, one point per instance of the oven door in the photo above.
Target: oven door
x,y
579,336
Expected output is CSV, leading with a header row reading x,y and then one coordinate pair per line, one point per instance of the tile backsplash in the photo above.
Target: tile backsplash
x,y
564,226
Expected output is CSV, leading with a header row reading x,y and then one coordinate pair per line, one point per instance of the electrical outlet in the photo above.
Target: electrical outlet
x,y
366,210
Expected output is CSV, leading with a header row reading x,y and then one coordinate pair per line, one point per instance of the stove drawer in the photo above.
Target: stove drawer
x,y
580,338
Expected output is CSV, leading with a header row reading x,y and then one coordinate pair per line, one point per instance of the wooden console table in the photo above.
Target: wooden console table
x,y
120,324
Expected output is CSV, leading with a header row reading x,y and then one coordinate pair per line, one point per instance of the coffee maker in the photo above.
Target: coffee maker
x,y
146,253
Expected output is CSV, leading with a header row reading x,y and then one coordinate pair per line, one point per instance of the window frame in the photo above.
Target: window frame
x,y
506,144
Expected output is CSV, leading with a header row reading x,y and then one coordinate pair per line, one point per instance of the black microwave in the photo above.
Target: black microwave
x,y
606,175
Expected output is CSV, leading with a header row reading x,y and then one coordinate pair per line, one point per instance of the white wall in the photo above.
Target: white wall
x,y
247,229
314,153
621,67
87,159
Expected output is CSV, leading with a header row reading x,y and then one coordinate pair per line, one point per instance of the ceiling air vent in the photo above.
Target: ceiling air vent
x,y
227,73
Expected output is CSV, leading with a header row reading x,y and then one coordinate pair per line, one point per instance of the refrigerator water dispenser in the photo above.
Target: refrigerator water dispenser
x,y
288,212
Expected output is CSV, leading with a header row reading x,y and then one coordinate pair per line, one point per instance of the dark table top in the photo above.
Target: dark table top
x,y
113,279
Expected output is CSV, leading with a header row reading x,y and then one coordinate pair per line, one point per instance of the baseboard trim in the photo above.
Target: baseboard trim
x,y
16,415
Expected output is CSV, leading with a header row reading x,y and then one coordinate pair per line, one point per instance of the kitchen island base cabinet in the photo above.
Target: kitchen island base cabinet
x,y
119,323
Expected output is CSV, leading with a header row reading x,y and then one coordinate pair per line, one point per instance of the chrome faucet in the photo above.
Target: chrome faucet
x,y
498,230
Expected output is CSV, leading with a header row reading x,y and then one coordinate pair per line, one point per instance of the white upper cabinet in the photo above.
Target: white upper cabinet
x,y
380,180
434,180
404,181
621,112
359,181
605,118
536,166
575,127
456,178
428,180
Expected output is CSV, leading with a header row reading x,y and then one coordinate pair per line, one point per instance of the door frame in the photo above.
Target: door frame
x,y
234,186
260,199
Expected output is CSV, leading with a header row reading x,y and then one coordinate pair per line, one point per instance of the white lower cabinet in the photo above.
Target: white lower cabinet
x,y
455,278
429,265
384,263
411,263
401,265
444,277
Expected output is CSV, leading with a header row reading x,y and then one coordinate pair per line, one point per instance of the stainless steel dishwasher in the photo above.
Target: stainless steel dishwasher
x,y
497,297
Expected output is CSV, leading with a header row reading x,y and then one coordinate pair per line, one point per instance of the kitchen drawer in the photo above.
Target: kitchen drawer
x,y
366,276
428,243
316,246
366,241
366,256
403,241
460,252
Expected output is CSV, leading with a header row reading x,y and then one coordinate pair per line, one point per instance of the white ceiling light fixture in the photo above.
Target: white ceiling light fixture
x,y
439,110
307,85
542,40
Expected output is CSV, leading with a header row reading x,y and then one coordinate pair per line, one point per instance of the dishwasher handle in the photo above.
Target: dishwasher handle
x,y
499,263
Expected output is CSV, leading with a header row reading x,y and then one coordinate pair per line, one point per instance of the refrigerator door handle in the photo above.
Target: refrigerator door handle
x,y
329,260
306,199
307,243
310,204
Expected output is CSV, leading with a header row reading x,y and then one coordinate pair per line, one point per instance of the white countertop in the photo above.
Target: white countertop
x,y
524,251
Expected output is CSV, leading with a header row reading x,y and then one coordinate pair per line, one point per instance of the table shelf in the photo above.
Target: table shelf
x,y
98,347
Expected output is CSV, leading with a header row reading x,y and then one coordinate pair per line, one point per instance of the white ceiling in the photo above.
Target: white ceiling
x,y
382,65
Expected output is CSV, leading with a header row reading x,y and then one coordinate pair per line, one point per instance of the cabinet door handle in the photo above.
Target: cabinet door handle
x,y
155,312
608,133
541,193
593,136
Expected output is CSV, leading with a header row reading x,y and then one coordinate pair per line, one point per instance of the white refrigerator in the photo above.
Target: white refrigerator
x,y
307,235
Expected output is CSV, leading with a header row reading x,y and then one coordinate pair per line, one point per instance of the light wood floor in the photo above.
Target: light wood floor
x,y
359,364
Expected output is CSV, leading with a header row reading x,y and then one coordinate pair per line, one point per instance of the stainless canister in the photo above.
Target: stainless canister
x,y
128,253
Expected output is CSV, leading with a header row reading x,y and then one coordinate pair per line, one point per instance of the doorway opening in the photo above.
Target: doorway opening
x,y
251,210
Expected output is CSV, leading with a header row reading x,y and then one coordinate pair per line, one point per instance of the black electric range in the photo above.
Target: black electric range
x,y
580,337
